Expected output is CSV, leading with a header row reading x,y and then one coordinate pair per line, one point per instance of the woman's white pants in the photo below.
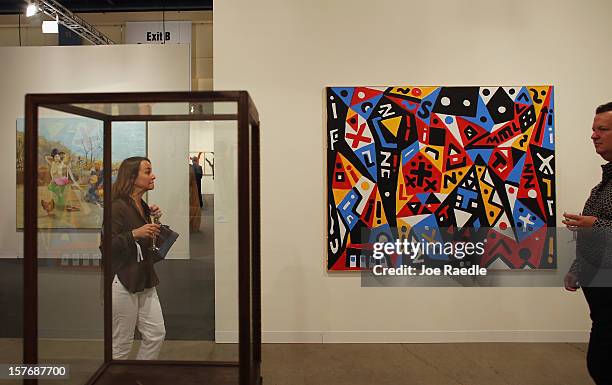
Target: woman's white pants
x,y
140,309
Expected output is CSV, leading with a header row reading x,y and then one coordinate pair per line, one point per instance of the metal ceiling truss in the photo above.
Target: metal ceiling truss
x,y
73,22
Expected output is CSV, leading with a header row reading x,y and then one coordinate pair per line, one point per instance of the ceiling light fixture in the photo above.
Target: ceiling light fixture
x,y
32,9
65,17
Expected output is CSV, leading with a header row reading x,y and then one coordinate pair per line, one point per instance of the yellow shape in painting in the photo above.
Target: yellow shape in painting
x,y
538,95
425,91
551,250
480,171
392,124
403,228
493,212
522,141
434,154
350,113
352,173
548,187
339,195
451,179
365,185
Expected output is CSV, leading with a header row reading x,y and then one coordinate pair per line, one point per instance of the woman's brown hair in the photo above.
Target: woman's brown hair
x,y
126,176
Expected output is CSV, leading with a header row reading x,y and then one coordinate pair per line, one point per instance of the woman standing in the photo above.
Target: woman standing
x,y
135,300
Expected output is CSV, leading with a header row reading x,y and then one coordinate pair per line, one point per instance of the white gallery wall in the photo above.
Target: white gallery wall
x,y
93,69
285,52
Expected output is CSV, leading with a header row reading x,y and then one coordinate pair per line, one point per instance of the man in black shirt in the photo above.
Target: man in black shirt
x,y
593,264
197,169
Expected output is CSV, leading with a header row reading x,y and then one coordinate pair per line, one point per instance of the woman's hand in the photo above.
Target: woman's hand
x,y
150,230
156,211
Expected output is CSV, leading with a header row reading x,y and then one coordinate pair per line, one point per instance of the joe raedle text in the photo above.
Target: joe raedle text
x,y
458,251
446,270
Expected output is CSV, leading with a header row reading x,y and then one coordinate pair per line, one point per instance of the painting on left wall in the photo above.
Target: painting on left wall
x,y
70,173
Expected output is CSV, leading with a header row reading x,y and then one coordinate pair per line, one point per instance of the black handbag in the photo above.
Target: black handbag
x,y
164,242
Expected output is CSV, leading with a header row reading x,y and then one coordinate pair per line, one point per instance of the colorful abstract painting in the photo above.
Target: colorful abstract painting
x,y
70,173
440,163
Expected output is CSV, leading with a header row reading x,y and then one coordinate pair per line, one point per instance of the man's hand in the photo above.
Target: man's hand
x,y
573,221
570,282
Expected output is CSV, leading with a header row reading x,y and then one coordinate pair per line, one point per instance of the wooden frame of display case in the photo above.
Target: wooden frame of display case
x,y
247,370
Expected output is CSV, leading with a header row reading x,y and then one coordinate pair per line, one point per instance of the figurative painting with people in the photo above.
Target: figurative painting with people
x,y
70,172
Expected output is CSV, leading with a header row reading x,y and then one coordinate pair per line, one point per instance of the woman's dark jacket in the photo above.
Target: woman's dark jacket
x,y
135,276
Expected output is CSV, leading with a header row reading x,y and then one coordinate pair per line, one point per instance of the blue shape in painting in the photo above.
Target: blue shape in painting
x,y
485,153
346,208
526,222
477,224
381,230
548,141
423,197
466,197
366,107
367,156
410,152
346,94
524,97
515,175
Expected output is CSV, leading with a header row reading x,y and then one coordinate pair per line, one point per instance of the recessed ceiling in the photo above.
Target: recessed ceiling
x,y
19,6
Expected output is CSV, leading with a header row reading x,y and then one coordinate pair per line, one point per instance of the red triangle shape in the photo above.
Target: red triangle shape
x,y
361,94
519,108
469,131
405,104
500,163
436,122
460,159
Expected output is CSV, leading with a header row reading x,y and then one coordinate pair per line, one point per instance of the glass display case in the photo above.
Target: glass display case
x,y
75,207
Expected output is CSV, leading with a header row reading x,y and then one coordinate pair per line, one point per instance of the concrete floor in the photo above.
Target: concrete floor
x,y
356,364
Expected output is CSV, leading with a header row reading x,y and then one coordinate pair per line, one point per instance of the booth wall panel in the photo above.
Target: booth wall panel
x,y
286,52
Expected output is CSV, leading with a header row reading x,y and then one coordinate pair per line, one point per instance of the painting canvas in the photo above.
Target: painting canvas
x,y
70,173
209,164
438,162
206,160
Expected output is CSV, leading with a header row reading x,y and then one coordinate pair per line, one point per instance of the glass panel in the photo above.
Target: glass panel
x,y
145,109
70,296
191,294
225,217
11,269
